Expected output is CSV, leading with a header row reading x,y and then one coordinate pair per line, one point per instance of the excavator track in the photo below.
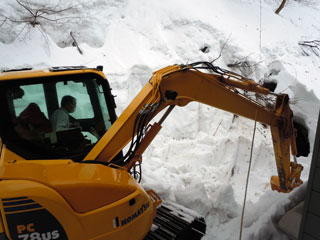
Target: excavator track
x,y
175,222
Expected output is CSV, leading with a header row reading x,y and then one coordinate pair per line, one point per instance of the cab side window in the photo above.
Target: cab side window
x,y
31,116
79,92
31,94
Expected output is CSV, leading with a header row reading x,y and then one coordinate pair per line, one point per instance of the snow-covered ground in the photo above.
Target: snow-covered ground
x,y
200,158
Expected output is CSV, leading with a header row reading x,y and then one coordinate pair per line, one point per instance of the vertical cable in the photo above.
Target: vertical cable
x,y
248,174
260,46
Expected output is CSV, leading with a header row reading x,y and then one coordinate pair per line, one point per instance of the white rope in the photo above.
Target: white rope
x,y
260,26
248,174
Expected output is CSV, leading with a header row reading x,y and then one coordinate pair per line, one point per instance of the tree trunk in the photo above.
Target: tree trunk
x,y
281,6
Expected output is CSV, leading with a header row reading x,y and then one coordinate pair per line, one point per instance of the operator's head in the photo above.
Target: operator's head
x,y
69,103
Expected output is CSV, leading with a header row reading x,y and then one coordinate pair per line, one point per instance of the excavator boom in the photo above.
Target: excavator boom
x,y
181,84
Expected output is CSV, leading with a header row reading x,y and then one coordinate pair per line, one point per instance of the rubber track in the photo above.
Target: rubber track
x,y
175,224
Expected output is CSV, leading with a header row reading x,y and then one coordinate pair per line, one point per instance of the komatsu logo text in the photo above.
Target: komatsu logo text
x,y
136,214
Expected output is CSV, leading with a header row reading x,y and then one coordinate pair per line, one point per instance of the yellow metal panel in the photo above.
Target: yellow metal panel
x,y
5,76
47,197
2,230
85,198
134,221
84,186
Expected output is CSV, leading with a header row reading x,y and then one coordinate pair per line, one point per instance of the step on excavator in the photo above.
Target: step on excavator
x,y
64,173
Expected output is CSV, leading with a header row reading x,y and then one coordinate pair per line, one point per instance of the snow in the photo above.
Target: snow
x,y
200,158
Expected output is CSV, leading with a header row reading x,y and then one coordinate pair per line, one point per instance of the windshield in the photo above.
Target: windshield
x,y
56,118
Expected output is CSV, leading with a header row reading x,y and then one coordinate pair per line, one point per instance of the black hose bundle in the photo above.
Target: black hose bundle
x,y
208,66
139,129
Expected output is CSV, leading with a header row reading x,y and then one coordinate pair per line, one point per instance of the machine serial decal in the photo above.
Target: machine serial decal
x,y
136,214
37,236
28,220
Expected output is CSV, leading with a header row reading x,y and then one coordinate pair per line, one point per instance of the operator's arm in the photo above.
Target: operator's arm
x,y
60,120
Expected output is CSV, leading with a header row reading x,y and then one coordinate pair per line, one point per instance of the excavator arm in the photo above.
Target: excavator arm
x,y
181,84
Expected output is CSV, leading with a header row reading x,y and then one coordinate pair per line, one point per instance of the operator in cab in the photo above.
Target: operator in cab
x,y
60,119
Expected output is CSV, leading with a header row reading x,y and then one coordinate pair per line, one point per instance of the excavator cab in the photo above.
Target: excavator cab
x,y
47,191
30,102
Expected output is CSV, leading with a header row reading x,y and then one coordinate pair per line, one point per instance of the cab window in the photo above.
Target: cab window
x,y
79,91
35,110
31,94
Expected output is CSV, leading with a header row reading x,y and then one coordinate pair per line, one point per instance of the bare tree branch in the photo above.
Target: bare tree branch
x,y
283,3
245,66
53,11
15,20
313,45
43,16
75,43
223,46
42,13
25,7
45,37
22,29
3,21
58,19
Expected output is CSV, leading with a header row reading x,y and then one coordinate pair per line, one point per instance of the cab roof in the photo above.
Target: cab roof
x,y
15,74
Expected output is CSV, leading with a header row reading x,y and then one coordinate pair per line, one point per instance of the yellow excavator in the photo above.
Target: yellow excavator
x,y
81,181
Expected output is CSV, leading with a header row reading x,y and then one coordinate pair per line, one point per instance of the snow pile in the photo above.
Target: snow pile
x,y
200,157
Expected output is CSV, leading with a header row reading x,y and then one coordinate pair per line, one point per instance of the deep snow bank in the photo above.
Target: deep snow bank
x,y
200,157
